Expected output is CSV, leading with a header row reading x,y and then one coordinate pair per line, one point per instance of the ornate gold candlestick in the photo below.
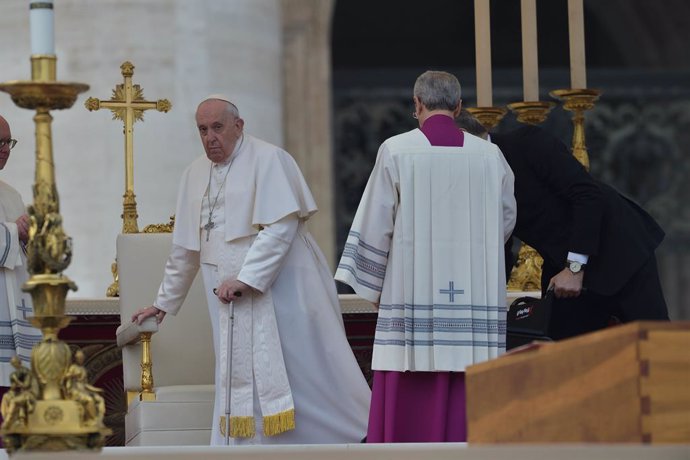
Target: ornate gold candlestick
x,y
488,116
526,275
577,101
50,406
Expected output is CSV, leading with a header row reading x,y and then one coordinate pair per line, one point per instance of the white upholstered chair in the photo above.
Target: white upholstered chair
x,y
175,405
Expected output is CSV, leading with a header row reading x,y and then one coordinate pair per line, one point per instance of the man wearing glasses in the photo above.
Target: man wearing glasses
x,y
17,336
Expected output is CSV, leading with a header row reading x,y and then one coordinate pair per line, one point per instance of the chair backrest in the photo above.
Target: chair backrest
x,y
182,349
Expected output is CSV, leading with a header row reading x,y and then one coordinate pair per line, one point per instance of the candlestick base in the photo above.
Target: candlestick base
x,y
577,101
531,112
488,116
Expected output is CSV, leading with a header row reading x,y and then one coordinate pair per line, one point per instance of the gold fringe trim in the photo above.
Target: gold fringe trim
x,y
279,423
240,427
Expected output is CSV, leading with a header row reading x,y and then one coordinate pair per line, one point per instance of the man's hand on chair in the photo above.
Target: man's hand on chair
x,y
148,312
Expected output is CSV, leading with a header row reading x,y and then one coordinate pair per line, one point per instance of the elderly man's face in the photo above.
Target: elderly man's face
x,y
5,135
218,128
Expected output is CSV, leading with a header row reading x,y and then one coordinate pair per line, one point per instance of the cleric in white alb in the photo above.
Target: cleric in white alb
x,y
426,245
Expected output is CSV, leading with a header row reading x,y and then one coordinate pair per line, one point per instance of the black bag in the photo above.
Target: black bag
x,y
528,320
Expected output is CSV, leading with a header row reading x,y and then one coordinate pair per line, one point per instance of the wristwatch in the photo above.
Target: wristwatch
x,y
575,267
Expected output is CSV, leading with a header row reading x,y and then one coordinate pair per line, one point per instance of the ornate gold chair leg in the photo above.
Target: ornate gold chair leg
x,y
147,393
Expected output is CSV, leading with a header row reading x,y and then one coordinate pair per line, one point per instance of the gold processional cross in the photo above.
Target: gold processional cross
x,y
128,104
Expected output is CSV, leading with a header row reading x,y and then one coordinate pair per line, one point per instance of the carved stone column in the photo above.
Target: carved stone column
x,y
307,106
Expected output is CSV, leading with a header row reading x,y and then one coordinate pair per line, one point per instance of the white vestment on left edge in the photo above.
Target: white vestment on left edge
x,y
427,243
17,336
264,206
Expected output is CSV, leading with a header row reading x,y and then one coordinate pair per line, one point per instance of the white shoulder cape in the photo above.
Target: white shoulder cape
x,y
264,185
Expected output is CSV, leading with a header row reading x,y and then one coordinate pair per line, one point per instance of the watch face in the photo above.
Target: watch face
x,y
575,267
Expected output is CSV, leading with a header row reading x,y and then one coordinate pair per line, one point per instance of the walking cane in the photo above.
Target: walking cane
x,y
231,323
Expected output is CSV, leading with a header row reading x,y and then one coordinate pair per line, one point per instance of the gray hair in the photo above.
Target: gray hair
x,y
438,90
467,122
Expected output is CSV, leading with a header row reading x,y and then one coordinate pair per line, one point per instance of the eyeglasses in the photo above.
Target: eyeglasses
x,y
8,142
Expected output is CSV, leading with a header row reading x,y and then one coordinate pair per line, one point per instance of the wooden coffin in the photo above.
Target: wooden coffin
x,y
629,383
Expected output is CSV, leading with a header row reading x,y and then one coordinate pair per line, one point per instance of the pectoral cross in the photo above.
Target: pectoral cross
x,y
208,227
128,104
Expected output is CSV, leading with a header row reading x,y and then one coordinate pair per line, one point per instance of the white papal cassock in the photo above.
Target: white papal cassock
x,y
427,243
17,336
261,238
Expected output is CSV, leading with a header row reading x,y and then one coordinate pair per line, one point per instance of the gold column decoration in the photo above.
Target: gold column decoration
x,y
526,275
577,101
127,104
488,116
50,406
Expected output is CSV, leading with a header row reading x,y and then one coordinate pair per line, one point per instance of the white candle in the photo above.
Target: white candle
x,y
42,29
576,30
482,39
530,59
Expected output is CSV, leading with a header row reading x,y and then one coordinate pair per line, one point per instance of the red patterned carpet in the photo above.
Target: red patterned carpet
x,y
95,335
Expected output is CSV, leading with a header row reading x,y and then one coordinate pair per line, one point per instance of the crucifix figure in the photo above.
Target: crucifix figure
x,y
208,227
128,104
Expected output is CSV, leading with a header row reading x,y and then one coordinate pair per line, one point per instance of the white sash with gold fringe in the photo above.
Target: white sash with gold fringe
x,y
257,358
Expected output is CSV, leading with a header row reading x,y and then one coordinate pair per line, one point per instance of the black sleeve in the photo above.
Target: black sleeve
x,y
552,163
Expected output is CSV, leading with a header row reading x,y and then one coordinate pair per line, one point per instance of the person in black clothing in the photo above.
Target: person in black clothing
x,y
597,245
